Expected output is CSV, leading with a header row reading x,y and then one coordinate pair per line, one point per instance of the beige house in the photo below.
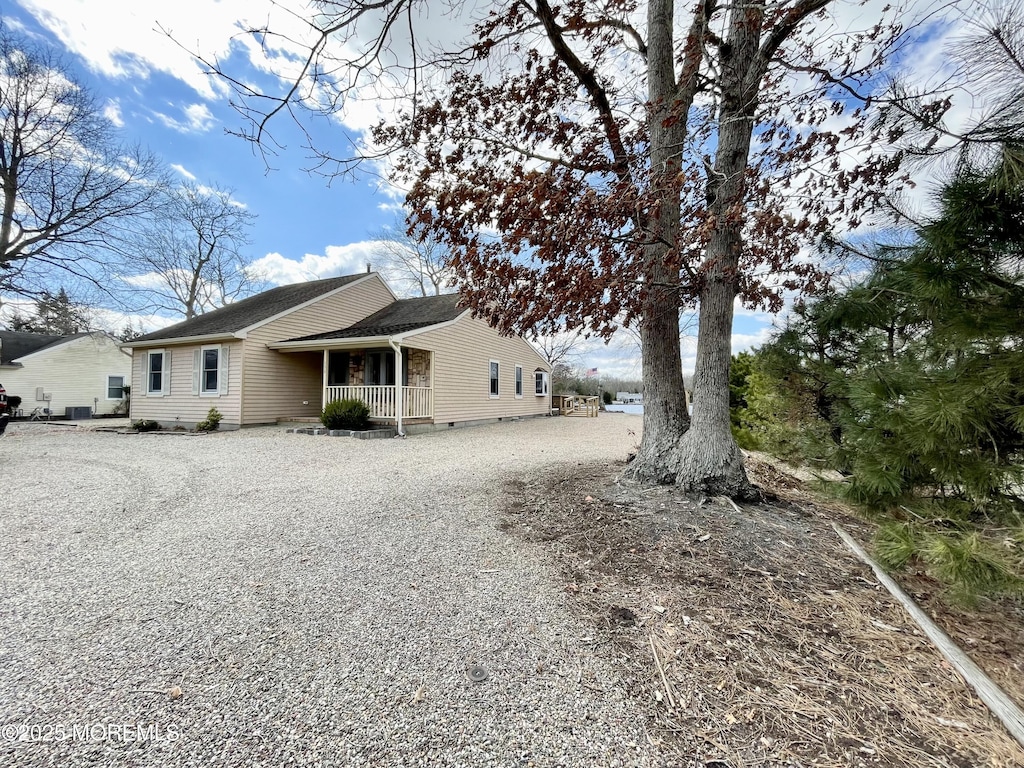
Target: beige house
x,y
76,376
283,354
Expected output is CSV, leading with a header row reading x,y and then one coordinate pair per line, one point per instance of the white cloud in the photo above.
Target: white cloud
x,y
125,39
114,322
112,111
744,342
336,260
197,119
183,171
109,320
147,280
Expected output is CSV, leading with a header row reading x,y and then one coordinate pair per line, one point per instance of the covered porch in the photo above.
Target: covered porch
x,y
395,383
417,402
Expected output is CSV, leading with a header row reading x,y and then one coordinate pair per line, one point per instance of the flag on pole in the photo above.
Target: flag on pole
x,y
591,371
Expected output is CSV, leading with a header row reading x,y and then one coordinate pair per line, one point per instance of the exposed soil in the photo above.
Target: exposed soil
x,y
756,638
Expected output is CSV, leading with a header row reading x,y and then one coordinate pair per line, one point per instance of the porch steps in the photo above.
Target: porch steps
x,y
363,434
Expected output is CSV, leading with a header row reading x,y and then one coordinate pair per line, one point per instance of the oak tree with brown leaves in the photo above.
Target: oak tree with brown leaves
x,y
595,163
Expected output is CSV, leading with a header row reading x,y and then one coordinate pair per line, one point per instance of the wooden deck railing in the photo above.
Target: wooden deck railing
x,y
417,402
579,405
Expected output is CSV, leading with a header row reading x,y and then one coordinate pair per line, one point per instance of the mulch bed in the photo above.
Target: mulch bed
x,y
753,637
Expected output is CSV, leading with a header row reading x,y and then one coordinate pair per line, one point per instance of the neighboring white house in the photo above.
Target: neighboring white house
x,y
629,398
86,370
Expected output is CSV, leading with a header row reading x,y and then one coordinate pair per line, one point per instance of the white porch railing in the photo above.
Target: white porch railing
x,y
417,402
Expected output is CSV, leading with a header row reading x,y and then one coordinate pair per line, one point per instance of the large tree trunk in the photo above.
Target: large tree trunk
x,y
665,416
708,459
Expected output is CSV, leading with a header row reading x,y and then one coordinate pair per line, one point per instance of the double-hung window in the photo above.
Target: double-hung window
x,y
495,370
519,382
158,373
211,367
540,383
210,371
115,387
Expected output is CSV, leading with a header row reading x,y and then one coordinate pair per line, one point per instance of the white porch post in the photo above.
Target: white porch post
x,y
323,385
399,408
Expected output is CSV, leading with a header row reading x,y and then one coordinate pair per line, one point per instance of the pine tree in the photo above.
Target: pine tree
x,y
912,384
933,413
947,407
55,314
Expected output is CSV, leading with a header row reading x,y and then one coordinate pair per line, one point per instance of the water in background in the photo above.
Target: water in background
x,y
624,408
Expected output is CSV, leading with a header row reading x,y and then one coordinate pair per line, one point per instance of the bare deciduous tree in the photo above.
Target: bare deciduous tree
x,y
193,256
560,346
415,265
69,190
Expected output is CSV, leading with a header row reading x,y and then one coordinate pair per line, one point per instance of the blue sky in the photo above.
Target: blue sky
x,y
156,93
153,91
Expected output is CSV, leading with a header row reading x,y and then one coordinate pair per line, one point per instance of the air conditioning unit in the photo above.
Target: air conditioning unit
x,y
78,412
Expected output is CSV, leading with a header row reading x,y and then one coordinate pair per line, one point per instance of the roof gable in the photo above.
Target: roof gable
x,y
402,316
255,310
18,344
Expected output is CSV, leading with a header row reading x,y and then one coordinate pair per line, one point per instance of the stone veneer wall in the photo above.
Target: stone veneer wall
x,y
419,368
356,364
418,374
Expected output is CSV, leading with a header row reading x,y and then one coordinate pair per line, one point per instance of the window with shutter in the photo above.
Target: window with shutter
x,y
210,371
158,378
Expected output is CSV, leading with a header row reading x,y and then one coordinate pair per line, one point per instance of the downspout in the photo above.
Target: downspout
x,y
324,379
398,384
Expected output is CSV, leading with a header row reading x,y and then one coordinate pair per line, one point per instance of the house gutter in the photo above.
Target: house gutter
x,y
354,342
398,383
203,339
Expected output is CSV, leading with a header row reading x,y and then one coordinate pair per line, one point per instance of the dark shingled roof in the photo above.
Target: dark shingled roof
x,y
15,344
241,314
400,317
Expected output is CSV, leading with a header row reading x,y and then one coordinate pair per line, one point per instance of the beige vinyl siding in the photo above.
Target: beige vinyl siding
x,y
462,355
181,406
276,383
74,373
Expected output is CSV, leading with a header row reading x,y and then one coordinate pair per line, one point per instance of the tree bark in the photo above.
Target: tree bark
x,y
708,460
665,415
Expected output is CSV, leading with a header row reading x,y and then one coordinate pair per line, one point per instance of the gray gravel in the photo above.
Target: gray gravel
x,y
316,600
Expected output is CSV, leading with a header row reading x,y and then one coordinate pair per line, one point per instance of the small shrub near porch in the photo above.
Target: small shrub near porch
x,y
346,414
211,423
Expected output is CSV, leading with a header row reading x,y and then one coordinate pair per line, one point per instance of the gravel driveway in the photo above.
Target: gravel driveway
x,y
259,598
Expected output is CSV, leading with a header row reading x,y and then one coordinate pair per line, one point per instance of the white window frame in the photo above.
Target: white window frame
x,y
199,371
494,381
540,383
165,373
203,391
123,385
519,382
